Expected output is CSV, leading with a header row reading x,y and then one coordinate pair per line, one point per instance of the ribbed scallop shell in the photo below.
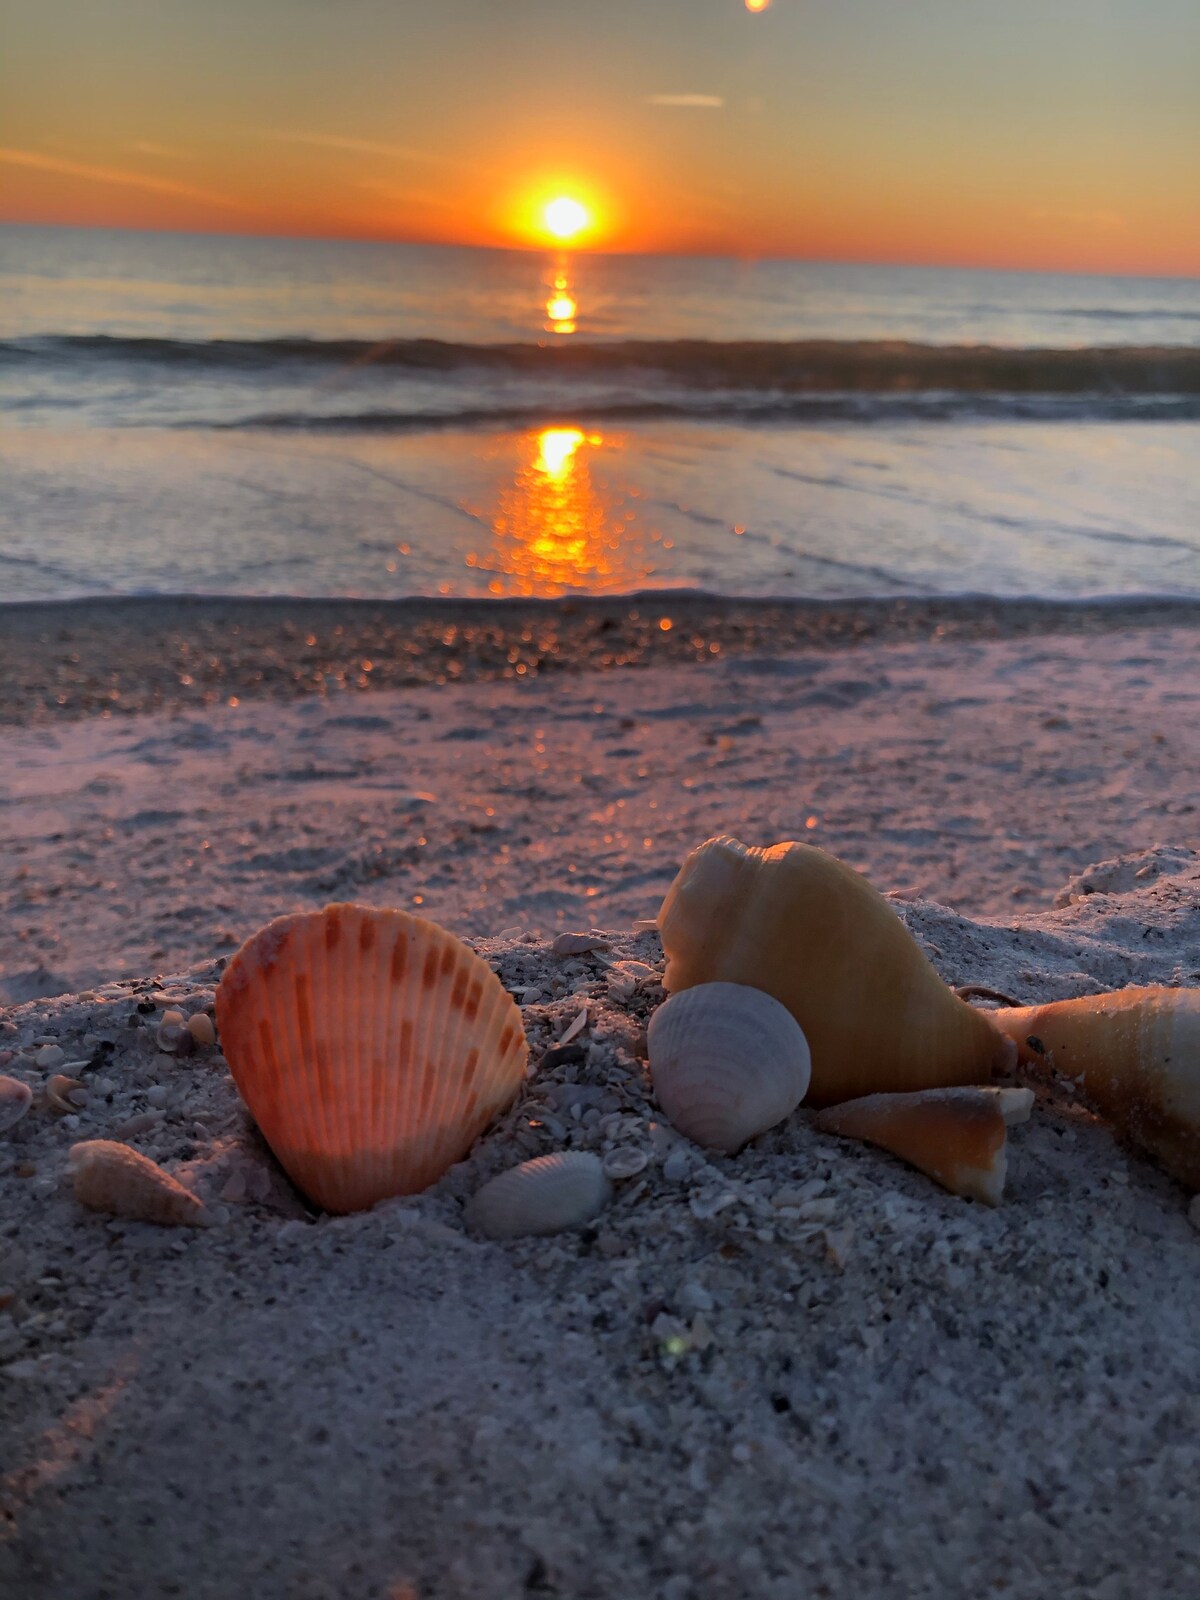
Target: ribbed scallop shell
x,y
1135,1053
114,1178
372,1047
813,932
957,1136
728,1062
544,1195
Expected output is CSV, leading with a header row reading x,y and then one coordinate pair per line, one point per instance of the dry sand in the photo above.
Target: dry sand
x,y
803,1370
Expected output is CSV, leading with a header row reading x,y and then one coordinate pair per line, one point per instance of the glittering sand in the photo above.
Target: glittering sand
x,y
801,1370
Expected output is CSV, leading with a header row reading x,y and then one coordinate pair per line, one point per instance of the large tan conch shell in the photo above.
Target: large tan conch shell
x,y
1135,1054
957,1136
727,1061
120,1180
371,1047
812,932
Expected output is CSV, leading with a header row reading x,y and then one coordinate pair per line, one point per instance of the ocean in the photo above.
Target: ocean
x,y
209,415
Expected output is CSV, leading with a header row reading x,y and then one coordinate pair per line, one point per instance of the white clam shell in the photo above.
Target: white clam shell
x,y
545,1195
728,1062
14,1101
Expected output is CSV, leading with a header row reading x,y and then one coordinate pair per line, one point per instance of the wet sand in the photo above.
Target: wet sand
x,y
61,660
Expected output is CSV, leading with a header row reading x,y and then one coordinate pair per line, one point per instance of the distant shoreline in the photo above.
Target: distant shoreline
x,y
66,659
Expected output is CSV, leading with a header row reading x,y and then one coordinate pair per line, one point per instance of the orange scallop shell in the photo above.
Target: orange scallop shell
x,y
372,1048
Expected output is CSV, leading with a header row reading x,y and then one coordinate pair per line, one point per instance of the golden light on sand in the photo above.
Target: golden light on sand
x,y
556,528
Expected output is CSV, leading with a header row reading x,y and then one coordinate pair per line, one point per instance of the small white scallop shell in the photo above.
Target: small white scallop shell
x,y
728,1062
545,1195
14,1101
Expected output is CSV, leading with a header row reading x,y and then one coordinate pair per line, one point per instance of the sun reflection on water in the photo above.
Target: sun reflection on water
x,y
562,307
556,527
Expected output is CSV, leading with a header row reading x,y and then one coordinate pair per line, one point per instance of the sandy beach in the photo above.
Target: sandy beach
x,y
801,1370
976,754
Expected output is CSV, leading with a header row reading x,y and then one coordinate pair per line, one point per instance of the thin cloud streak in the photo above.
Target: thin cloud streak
x,y
1083,219
361,147
698,102
161,152
128,180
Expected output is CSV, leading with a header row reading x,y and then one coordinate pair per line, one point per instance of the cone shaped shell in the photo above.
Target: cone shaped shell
x,y
956,1136
115,1178
728,1062
812,932
1136,1055
371,1047
544,1195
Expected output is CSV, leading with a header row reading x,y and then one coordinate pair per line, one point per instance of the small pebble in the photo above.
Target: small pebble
x,y
50,1056
695,1297
142,1123
677,1165
158,1095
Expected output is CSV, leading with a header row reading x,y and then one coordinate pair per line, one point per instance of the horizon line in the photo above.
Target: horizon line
x,y
553,249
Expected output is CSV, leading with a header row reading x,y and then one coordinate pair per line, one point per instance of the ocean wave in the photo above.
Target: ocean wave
x,y
782,368
735,409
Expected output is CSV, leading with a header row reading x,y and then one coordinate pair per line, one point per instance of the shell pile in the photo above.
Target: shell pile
x,y
813,933
728,1062
371,1047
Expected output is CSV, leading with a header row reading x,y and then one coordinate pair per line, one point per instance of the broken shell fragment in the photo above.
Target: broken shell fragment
x,y
545,1195
956,1135
115,1178
1135,1053
577,944
65,1094
371,1047
728,1062
15,1098
811,931
173,1037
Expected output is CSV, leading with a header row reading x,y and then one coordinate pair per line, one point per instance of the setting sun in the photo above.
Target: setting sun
x,y
565,217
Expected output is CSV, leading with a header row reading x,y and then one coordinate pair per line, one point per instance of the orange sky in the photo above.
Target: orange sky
x,y
1053,136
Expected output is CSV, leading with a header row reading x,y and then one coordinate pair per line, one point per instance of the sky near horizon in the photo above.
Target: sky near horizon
x,y
1054,134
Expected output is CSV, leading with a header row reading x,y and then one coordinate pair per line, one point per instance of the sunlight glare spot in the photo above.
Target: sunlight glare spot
x,y
565,217
556,446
